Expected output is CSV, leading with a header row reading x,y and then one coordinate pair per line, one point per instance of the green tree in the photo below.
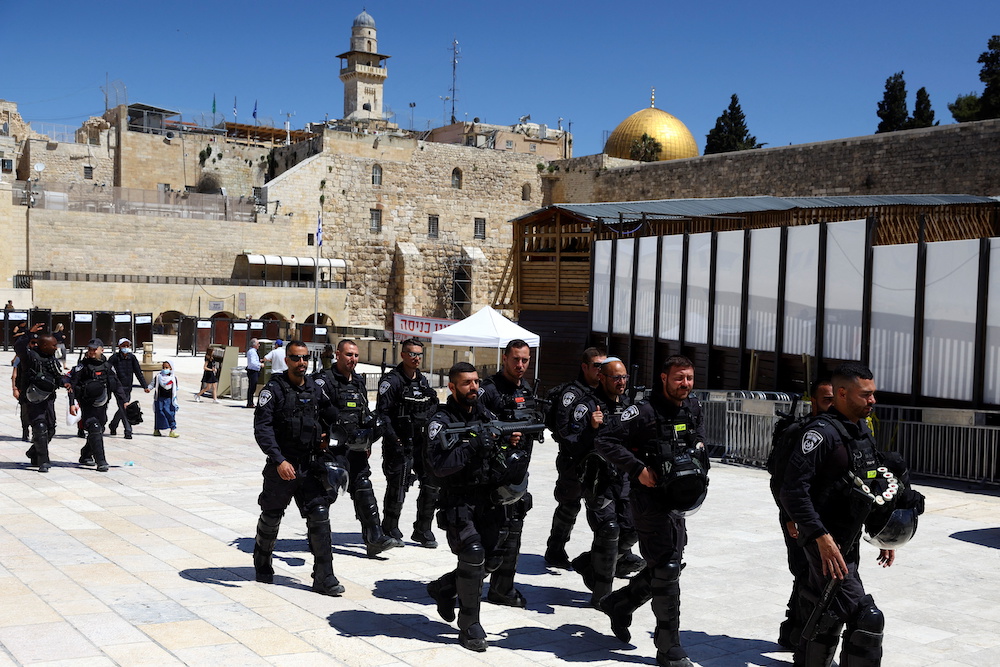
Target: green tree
x,y
974,107
989,103
892,109
730,132
645,149
965,108
923,115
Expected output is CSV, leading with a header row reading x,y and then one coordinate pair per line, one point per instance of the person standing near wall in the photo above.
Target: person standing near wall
x,y
126,366
254,367
165,388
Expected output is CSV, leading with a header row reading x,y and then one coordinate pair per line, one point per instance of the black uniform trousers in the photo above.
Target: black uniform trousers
x,y
848,600
306,489
468,517
120,414
568,488
41,415
662,533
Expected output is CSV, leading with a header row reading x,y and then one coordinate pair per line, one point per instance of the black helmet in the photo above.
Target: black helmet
x,y
510,493
334,479
897,529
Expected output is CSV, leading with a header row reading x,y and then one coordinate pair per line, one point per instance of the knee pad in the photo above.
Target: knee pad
x,y
272,519
92,426
318,513
40,429
669,571
869,617
362,482
608,530
473,554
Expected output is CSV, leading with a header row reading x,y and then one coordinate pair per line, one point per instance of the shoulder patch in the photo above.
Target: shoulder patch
x,y
384,387
811,439
320,381
433,429
568,398
264,396
631,412
579,412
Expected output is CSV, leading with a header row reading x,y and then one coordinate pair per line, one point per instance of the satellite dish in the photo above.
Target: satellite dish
x,y
39,167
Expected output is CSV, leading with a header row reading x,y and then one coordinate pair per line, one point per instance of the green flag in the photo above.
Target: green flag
x,y
213,104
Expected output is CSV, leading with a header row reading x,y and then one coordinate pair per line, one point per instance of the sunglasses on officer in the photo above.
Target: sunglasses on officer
x,y
298,357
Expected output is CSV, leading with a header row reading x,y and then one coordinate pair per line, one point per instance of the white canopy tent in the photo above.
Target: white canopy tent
x,y
485,328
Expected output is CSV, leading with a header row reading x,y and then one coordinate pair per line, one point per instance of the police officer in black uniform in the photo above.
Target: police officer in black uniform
x,y
821,395
660,447
509,396
39,374
291,417
605,489
405,404
126,366
568,492
837,456
459,456
94,383
356,429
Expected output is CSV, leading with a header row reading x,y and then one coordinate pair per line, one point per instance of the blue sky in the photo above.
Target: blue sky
x,y
803,71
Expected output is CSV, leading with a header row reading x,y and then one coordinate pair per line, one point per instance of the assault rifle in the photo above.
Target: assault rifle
x,y
493,433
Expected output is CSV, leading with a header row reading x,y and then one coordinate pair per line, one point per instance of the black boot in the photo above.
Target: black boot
x,y
24,434
392,507
40,445
95,444
620,605
444,593
426,503
371,530
263,546
563,521
666,605
325,581
469,590
628,562
502,589
790,630
603,556
582,565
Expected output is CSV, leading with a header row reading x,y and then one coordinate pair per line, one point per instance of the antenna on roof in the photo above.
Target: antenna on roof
x,y
288,125
454,77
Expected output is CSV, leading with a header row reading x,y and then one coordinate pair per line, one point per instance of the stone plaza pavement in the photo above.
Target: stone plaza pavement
x,y
150,564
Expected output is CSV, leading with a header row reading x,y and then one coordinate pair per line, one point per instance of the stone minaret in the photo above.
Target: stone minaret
x,y
363,72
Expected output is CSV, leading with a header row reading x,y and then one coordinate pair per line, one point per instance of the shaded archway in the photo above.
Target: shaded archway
x,y
167,322
323,320
222,314
271,315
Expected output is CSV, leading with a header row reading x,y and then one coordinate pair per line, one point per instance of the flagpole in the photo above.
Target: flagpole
x,y
319,246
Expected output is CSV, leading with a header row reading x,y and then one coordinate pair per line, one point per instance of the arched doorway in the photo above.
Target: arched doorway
x,y
167,322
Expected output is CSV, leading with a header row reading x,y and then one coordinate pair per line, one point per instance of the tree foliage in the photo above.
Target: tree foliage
x,y
730,132
923,115
892,109
982,107
645,149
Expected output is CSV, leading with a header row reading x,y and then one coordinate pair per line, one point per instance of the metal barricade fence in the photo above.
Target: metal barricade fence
x,y
739,425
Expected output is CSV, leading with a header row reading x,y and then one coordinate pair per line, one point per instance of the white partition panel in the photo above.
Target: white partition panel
x,y
728,288
991,391
894,296
950,319
602,286
845,278
671,263
699,276
624,255
801,283
765,246
645,297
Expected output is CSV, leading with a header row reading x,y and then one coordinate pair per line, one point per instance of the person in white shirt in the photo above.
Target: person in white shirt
x,y
277,358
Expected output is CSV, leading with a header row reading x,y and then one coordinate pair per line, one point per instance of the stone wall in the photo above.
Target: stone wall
x,y
955,159
401,268
64,163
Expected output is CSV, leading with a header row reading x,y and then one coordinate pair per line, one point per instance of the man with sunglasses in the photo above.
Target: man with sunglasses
x,y
636,444
405,404
603,487
291,417
356,428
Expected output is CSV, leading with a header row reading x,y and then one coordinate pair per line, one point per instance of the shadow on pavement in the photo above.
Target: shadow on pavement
x,y
987,537
235,576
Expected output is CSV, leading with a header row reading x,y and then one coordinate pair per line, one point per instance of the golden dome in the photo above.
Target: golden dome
x,y
675,139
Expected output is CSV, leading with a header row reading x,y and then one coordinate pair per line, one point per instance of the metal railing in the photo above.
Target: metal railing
x,y
98,198
948,444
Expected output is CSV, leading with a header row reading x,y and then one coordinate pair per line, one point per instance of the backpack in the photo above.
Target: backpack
x,y
784,439
552,406
133,413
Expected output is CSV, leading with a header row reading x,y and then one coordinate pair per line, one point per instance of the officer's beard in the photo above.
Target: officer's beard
x,y
468,401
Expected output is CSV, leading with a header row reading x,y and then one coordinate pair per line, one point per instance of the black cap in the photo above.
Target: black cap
x,y
95,343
